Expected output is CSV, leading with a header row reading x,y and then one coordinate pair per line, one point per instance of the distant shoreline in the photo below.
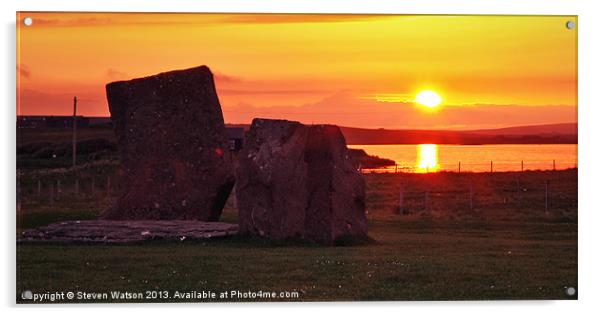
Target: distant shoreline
x,y
462,144
564,133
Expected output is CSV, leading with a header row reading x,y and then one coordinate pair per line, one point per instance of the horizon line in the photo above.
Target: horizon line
x,y
357,127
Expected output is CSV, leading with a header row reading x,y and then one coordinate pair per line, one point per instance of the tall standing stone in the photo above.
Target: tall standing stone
x,y
297,181
172,142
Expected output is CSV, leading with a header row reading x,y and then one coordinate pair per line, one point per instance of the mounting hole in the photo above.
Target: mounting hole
x,y
570,25
28,21
570,291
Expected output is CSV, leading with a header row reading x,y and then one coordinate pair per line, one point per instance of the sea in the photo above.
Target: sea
x,y
424,158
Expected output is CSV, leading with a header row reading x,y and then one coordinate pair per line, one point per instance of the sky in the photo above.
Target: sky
x,y
350,70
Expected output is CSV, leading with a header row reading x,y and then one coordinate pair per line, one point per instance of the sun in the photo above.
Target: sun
x,y
428,98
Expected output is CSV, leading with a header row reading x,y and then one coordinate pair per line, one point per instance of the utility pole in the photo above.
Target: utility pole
x,y
74,154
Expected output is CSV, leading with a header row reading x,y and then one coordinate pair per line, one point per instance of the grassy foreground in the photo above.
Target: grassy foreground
x,y
506,247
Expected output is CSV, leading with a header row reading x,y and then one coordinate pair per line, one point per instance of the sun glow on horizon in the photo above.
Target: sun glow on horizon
x,y
428,98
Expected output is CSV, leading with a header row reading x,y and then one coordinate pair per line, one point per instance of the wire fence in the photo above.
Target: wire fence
x,y
495,195
551,192
490,166
52,190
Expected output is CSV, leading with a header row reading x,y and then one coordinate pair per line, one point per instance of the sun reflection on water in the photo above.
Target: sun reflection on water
x,y
427,158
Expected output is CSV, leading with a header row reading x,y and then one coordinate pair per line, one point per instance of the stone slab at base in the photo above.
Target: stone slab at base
x,y
110,232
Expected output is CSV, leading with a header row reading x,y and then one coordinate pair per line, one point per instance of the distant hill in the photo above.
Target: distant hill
x,y
565,133
534,134
548,129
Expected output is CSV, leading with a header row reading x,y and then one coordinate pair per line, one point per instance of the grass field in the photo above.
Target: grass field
x,y
437,248
410,260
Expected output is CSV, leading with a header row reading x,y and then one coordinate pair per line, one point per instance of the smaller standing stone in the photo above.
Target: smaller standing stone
x,y
297,181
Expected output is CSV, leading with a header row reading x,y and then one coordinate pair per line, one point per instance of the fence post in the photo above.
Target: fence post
x,y
459,166
401,199
547,184
18,196
58,189
395,168
491,166
554,164
39,187
471,194
51,193
74,134
518,192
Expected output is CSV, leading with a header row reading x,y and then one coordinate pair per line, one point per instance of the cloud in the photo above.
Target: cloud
x,y
226,78
79,19
198,19
114,74
345,109
23,71
67,22
37,102
268,92
303,18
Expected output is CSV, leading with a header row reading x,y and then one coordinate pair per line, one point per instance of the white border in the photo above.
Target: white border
x,y
590,102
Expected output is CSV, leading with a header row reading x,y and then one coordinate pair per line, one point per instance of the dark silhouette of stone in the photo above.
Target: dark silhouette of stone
x,y
173,147
297,181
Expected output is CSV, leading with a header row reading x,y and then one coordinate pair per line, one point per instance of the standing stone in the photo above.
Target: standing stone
x,y
297,181
174,155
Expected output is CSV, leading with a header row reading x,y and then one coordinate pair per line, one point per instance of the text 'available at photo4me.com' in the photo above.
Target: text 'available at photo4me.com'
x,y
157,295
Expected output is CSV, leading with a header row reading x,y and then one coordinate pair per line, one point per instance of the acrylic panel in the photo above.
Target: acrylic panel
x,y
199,157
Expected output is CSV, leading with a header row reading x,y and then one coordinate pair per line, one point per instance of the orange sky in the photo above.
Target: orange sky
x,y
352,70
